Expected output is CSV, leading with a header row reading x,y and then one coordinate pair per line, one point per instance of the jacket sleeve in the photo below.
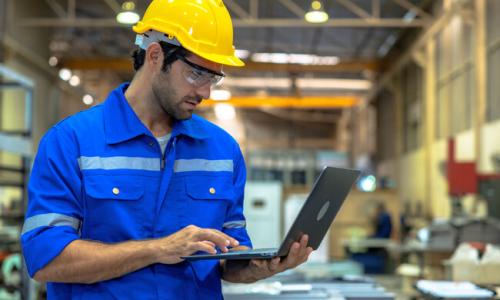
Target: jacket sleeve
x,y
235,223
54,213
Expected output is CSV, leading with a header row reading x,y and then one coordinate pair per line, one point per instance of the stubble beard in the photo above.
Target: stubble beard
x,y
166,98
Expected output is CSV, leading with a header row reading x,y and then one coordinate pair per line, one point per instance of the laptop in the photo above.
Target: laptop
x,y
314,219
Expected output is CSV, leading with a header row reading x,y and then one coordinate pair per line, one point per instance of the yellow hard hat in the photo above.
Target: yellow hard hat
x,y
203,27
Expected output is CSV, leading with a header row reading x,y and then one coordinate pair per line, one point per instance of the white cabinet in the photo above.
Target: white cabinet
x,y
292,207
263,212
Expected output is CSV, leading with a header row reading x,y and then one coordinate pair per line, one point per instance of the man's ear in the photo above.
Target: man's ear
x,y
154,55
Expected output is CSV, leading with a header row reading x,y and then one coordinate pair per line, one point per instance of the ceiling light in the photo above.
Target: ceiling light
x,y
387,45
334,83
88,99
409,16
74,80
368,183
53,61
316,14
302,59
225,112
128,15
276,58
58,46
302,83
258,82
65,74
220,95
241,53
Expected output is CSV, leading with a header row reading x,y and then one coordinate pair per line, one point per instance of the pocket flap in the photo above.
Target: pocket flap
x,y
210,187
113,187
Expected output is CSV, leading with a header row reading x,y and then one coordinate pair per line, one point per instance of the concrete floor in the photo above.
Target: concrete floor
x,y
394,284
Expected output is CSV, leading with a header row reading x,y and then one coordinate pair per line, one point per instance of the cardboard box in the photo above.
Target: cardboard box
x,y
476,273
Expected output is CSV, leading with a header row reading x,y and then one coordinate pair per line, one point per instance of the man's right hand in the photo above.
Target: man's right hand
x,y
90,261
189,240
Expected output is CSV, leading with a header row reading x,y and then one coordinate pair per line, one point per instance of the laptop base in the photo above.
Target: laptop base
x,y
266,253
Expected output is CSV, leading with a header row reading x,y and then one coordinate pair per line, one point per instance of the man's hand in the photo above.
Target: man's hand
x,y
256,269
90,262
189,240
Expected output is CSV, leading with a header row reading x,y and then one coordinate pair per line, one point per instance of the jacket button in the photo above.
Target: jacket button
x,y
212,190
116,191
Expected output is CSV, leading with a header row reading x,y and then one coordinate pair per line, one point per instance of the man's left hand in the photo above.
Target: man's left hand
x,y
257,269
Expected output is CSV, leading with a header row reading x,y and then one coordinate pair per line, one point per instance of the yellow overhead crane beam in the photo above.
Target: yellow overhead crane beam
x,y
320,102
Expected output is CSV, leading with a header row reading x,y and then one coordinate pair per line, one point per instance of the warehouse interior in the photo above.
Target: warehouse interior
x,y
402,90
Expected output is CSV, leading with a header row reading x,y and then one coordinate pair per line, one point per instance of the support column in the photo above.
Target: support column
x,y
429,119
395,88
3,27
480,77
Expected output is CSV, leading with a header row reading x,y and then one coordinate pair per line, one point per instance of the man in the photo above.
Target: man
x,y
120,192
382,222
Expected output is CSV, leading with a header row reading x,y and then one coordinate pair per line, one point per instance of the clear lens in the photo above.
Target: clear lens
x,y
200,78
196,76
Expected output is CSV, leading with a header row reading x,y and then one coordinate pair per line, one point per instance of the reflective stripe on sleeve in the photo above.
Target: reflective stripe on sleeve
x,y
235,224
190,165
119,162
51,219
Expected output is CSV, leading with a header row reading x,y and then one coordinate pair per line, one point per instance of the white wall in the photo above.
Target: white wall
x,y
411,183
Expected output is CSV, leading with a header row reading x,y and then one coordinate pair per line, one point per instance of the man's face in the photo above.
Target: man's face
x,y
177,96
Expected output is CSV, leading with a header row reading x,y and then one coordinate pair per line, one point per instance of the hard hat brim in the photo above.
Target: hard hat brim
x,y
232,61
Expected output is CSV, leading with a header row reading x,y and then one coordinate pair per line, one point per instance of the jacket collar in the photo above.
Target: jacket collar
x,y
122,124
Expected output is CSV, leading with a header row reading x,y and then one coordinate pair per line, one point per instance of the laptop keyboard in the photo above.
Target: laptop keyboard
x,y
250,251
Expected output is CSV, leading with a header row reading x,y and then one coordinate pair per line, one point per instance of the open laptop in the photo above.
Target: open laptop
x,y
314,219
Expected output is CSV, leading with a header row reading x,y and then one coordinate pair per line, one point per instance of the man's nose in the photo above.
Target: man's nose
x,y
204,90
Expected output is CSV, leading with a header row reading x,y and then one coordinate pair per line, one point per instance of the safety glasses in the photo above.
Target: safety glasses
x,y
198,75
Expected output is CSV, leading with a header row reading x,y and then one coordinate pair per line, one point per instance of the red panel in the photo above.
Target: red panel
x,y
462,178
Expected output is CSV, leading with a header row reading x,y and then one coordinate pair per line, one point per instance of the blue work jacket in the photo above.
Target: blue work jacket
x,y
100,175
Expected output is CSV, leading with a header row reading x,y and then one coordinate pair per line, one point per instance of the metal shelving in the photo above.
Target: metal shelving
x,y
17,142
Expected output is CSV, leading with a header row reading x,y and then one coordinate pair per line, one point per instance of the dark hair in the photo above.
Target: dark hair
x,y
170,53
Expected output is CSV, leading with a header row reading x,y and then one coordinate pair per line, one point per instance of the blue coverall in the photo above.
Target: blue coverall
x,y
100,175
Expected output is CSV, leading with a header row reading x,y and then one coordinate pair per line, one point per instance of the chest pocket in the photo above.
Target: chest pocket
x,y
113,189
115,208
208,200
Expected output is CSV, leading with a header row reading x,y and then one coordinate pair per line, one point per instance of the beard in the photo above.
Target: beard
x,y
178,108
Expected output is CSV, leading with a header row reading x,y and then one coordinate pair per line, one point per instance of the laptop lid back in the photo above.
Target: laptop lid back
x,y
321,207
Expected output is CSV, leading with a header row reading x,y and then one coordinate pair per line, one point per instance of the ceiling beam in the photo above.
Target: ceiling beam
x,y
254,9
351,22
437,25
376,8
237,9
412,7
332,102
125,64
354,8
56,8
72,9
114,5
293,7
237,22
342,66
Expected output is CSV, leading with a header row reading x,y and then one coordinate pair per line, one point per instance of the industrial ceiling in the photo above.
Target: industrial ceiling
x,y
360,34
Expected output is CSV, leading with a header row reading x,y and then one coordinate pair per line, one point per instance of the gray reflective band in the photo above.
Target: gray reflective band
x,y
235,224
51,219
190,165
119,162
